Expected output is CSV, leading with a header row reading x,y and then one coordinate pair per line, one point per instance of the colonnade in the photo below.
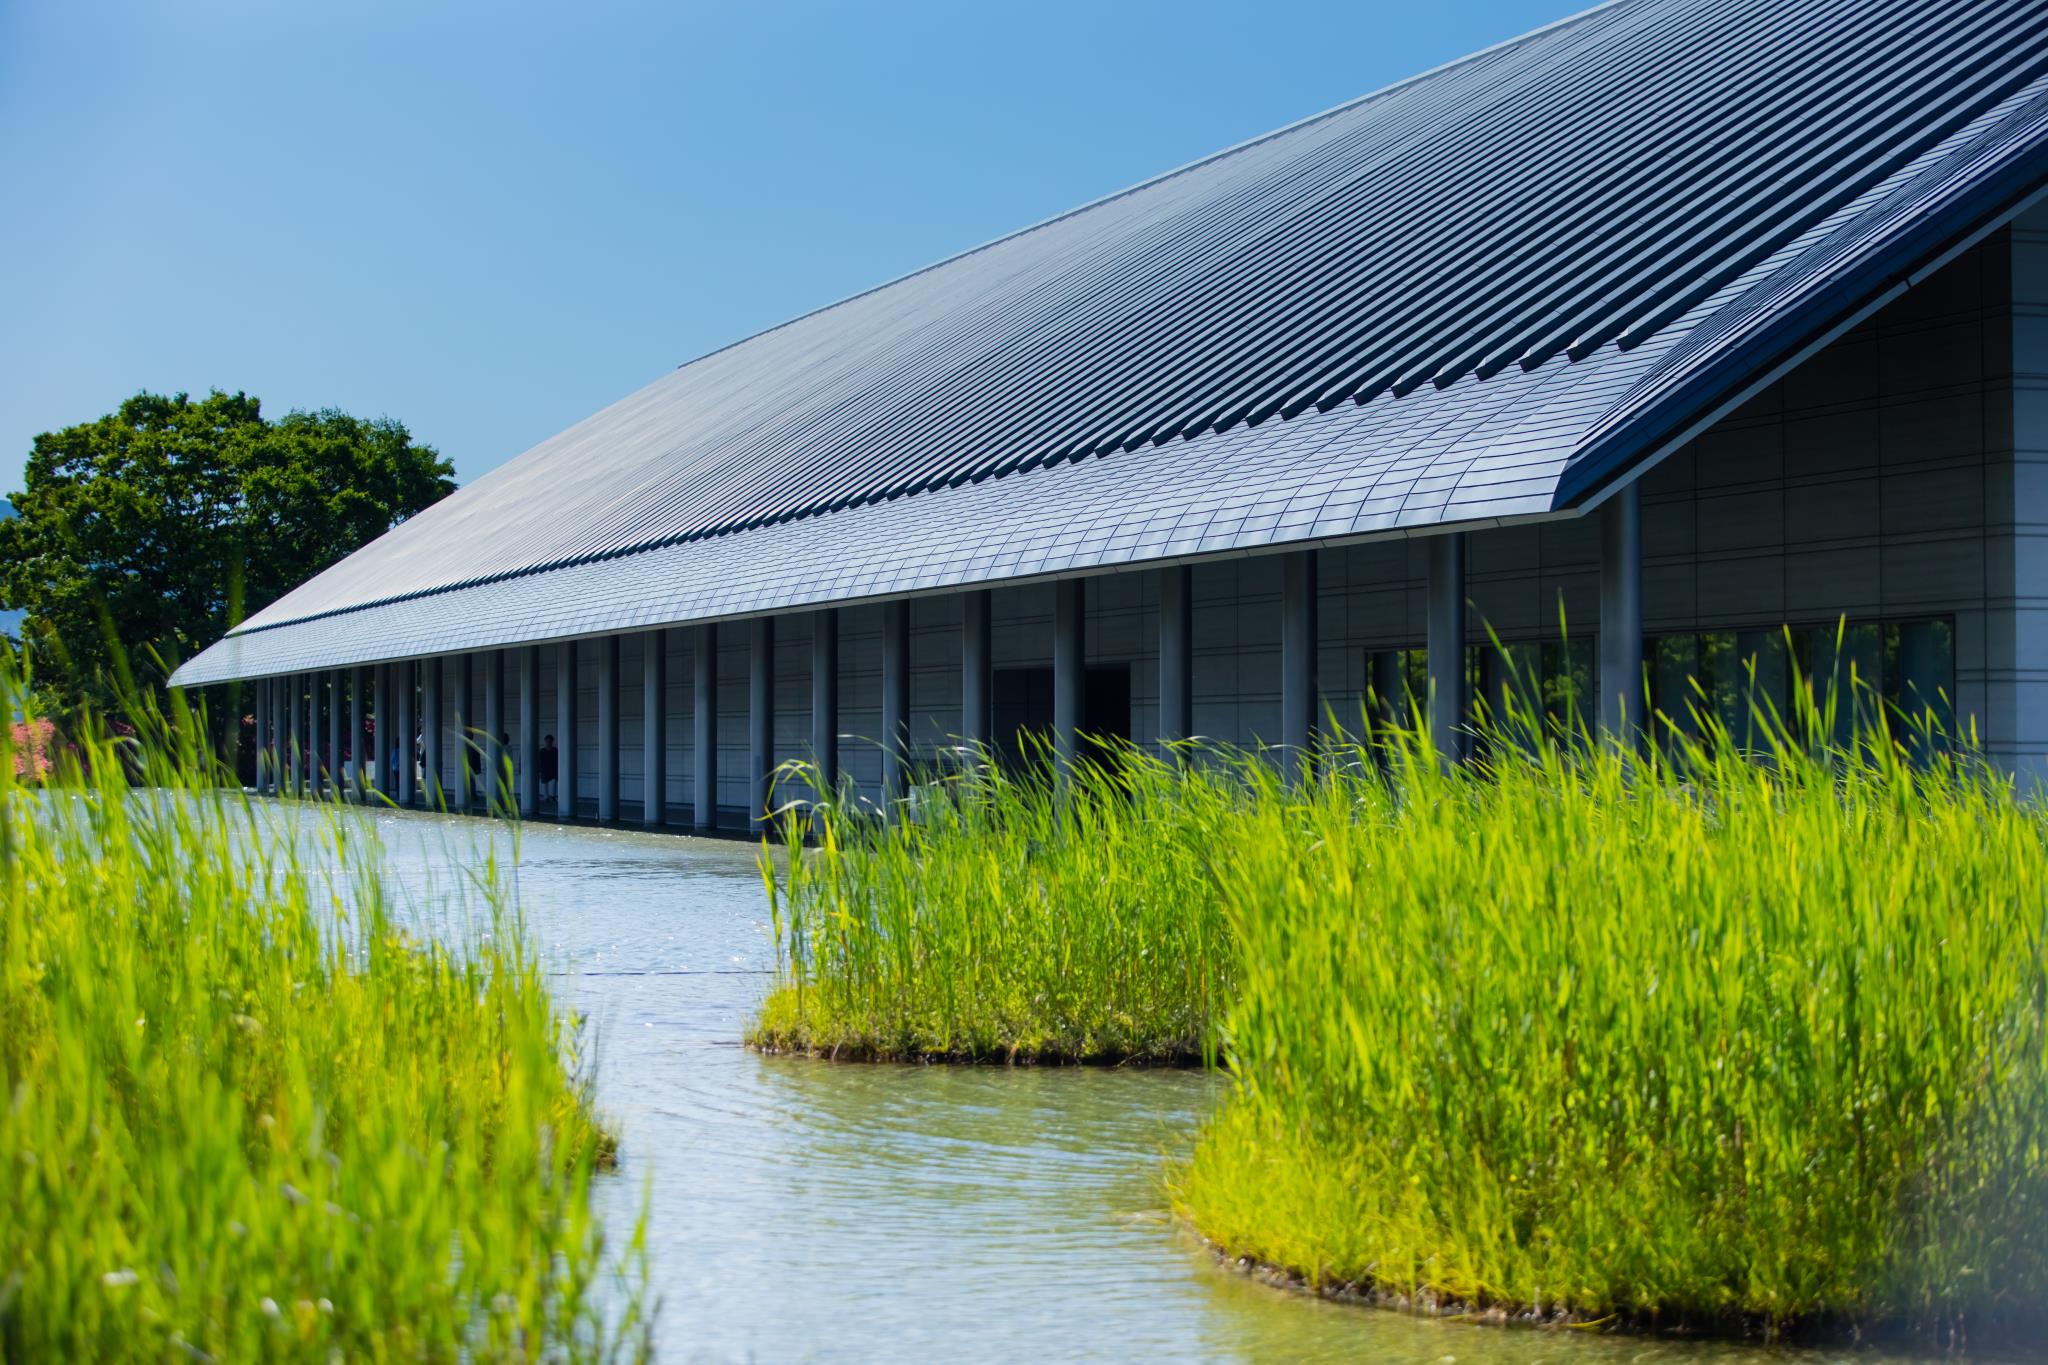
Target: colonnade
x,y
379,699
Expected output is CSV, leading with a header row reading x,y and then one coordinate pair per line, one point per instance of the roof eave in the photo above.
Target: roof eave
x,y
1739,373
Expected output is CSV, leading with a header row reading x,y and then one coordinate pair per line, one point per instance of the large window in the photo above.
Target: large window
x,y
1551,678
1906,666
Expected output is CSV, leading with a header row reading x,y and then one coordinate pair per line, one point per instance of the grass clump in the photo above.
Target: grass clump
x,y
1713,1035
1009,921
247,1116
1698,1040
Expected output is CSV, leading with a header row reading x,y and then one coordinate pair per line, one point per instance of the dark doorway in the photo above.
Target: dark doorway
x,y
1106,712
1023,707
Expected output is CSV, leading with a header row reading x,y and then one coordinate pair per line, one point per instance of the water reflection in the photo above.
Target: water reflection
x,y
804,1210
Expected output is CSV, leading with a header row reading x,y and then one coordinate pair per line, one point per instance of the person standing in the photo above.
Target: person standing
x,y
549,770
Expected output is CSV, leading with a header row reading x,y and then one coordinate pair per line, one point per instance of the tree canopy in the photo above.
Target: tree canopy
x,y
142,537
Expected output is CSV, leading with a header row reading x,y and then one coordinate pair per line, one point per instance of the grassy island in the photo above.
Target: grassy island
x,y
1690,1038
248,1117
1009,922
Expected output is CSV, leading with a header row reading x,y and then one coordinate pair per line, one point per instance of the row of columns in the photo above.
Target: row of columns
x,y
293,703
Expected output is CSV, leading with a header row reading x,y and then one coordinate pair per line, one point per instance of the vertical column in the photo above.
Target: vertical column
x,y
310,765
495,757
334,707
381,725
528,774
465,742
1069,672
291,688
295,726
293,751
430,731
977,671
316,730
310,738
704,699
1298,663
309,726
2000,680
1446,611
608,729
408,731
358,712
261,690
760,721
1176,653
895,701
654,728
565,730
274,766
825,700
1621,613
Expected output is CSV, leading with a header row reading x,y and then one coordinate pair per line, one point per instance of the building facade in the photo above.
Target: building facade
x,y
1824,454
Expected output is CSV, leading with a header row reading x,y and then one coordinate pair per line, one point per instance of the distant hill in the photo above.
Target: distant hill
x,y
10,621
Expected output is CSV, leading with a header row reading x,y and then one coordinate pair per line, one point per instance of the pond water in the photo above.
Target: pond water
x,y
806,1210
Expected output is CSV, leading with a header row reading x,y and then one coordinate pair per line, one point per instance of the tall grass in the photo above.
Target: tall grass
x,y
1690,1035
1700,1038
248,1117
1010,920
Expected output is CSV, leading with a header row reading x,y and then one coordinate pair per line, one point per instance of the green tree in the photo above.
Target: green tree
x,y
142,537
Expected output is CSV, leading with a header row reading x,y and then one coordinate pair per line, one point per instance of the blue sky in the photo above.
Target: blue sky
x,y
490,220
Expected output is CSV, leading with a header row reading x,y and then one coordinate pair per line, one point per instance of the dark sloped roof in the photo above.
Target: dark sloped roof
x,y
1618,213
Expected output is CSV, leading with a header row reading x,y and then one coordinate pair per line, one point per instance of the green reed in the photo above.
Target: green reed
x,y
1012,918
1694,1036
1724,1033
248,1116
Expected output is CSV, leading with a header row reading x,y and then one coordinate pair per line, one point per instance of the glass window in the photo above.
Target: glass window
x,y
1737,679
1848,671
